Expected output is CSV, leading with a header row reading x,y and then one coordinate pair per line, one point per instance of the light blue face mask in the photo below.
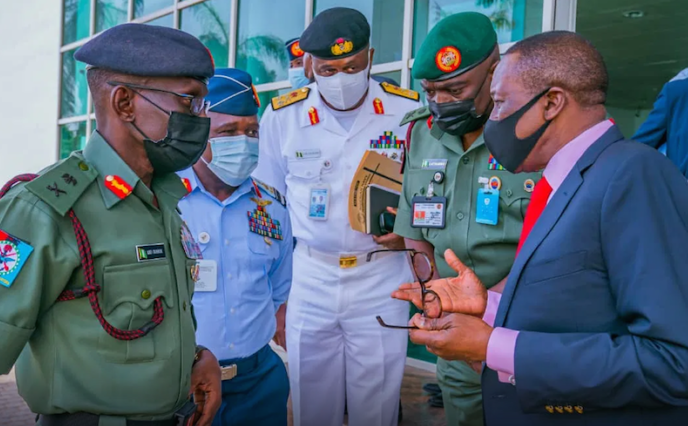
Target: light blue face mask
x,y
234,158
297,78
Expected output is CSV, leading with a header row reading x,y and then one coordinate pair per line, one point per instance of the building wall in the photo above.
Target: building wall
x,y
29,49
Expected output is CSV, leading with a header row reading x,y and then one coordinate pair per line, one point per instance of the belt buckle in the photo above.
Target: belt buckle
x,y
346,262
229,372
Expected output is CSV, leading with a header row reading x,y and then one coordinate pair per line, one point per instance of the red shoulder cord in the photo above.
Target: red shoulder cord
x,y
91,289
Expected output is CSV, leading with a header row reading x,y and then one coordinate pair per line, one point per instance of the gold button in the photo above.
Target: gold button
x,y
146,294
549,408
568,409
559,409
184,306
579,409
83,166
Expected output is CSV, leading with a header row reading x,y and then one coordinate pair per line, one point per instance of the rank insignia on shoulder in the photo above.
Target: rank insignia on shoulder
x,y
290,98
260,187
187,185
118,186
398,91
387,141
492,164
260,222
13,256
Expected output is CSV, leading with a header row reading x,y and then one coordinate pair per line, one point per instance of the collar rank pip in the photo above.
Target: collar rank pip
x,y
118,186
291,98
259,220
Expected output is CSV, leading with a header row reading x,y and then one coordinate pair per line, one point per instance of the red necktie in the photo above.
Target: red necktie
x,y
538,201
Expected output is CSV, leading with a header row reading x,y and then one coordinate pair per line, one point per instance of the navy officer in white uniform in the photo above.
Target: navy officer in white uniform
x,y
244,232
312,142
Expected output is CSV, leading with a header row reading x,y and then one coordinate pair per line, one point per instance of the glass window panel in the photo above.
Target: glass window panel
x,y
386,19
72,138
163,21
146,7
264,27
77,20
110,13
74,95
394,75
209,21
513,19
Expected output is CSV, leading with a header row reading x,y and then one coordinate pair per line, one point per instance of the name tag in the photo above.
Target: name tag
x,y
306,154
487,207
434,164
207,276
429,212
149,252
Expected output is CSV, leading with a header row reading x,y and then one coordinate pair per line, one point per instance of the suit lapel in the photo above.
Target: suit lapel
x,y
550,216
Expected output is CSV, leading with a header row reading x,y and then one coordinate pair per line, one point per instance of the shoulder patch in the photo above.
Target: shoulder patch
x,y
274,193
13,256
290,98
416,114
398,91
61,186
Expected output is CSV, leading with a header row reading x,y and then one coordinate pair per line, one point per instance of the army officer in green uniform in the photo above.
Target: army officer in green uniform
x,y
455,195
96,267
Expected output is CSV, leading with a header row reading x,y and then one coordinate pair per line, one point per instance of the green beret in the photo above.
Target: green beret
x,y
455,45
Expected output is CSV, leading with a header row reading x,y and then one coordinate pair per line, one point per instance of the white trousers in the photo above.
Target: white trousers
x,y
336,348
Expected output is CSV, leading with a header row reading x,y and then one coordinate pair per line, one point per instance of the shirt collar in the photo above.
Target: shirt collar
x,y
107,162
566,158
197,187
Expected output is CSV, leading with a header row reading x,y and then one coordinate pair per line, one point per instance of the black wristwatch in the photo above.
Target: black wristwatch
x,y
199,349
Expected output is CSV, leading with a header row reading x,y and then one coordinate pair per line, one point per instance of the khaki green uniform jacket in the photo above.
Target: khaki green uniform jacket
x,y
489,250
68,363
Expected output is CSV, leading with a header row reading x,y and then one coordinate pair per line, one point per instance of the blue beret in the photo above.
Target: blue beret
x,y
336,33
148,51
231,92
294,49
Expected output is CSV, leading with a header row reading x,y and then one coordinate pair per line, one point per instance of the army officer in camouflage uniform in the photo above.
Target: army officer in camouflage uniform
x,y
455,195
96,267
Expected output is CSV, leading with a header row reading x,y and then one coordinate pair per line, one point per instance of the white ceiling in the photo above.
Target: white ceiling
x,y
641,54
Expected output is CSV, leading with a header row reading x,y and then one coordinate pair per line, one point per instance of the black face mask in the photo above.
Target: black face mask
x,y
459,117
504,145
186,139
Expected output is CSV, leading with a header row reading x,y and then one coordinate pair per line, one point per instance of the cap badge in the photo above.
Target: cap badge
x,y
296,49
342,46
448,59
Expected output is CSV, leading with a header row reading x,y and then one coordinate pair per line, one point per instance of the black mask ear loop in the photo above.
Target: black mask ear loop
x,y
169,114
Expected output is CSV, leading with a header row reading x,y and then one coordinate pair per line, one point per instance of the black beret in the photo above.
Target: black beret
x,y
336,33
148,51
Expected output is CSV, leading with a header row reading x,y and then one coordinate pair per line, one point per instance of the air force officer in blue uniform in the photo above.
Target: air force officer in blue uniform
x,y
244,232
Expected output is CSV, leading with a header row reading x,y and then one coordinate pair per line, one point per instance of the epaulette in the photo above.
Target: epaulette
x,y
274,193
398,91
61,185
290,98
416,114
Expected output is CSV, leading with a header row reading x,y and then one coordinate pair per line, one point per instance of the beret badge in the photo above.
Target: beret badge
x,y
342,46
448,59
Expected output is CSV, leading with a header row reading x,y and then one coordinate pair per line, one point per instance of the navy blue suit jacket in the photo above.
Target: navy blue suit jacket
x,y
668,123
599,293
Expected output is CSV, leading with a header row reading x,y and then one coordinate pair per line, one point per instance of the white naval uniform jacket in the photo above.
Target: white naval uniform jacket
x,y
297,154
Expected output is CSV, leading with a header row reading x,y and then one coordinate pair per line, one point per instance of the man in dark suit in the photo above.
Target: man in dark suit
x,y
589,329
667,123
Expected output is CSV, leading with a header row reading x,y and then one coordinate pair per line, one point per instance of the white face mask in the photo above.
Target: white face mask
x,y
234,158
343,90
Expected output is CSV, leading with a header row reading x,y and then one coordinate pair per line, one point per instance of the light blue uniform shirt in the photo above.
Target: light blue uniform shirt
x,y
253,276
